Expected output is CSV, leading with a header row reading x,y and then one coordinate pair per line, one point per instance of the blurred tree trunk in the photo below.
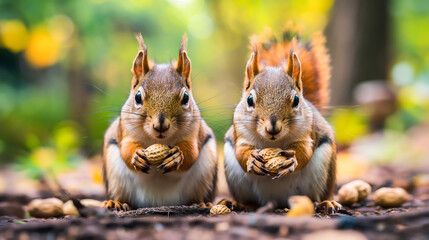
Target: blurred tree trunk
x,y
79,92
357,37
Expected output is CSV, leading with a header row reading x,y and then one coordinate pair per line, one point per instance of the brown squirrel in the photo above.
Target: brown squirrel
x,y
286,80
160,109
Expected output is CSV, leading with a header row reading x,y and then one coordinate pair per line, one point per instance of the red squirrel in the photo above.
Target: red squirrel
x,y
159,109
286,81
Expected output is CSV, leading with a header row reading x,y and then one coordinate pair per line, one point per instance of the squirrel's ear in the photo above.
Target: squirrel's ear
x,y
184,63
252,68
293,69
141,62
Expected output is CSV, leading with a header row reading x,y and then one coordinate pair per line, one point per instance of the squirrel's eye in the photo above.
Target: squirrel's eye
x,y
138,97
295,101
185,98
250,101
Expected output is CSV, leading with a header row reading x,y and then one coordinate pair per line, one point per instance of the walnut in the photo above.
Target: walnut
x,y
390,197
156,153
217,210
45,208
352,192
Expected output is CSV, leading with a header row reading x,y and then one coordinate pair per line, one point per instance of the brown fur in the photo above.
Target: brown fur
x,y
162,88
315,60
277,71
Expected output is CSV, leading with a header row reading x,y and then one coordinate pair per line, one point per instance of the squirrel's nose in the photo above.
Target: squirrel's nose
x,y
274,127
273,130
161,126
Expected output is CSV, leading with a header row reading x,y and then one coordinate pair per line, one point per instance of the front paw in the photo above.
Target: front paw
x,y
115,205
328,207
139,161
255,164
172,161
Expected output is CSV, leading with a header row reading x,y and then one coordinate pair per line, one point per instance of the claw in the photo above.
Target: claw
x,y
256,155
161,166
328,207
257,168
139,163
288,167
255,164
172,161
141,153
115,205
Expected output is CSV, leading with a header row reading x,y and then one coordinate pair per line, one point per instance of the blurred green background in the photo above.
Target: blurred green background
x,y
65,66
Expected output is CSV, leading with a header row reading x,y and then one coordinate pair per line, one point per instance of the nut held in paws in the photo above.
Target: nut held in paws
x,y
219,210
270,153
275,164
156,153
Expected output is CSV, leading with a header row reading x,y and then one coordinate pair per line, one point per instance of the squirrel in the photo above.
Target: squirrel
x,y
159,109
286,81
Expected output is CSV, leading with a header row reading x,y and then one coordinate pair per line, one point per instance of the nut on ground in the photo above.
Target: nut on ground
x,y
45,208
70,209
217,210
363,188
390,197
347,195
156,153
352,192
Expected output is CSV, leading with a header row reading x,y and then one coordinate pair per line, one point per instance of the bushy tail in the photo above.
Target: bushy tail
x,y
314,57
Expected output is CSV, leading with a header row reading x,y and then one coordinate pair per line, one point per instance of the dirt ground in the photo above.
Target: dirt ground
x,y
363,220
193,223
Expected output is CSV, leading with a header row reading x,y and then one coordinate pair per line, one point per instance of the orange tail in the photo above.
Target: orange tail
x,y
314,57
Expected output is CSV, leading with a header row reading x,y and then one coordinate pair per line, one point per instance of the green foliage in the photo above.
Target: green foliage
x,y
58,154
47,46
410,71
349,125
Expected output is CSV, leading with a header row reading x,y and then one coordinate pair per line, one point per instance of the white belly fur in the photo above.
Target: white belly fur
x,y
310,181
157,189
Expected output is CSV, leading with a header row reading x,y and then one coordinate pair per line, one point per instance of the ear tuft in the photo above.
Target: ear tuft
x,y
293,68
184,63
141,62
252,67
290,64
141,41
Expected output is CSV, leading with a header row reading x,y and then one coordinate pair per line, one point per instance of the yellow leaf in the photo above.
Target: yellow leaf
x,y
300,206
44,157
349,124
14,35
96,175
43,49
